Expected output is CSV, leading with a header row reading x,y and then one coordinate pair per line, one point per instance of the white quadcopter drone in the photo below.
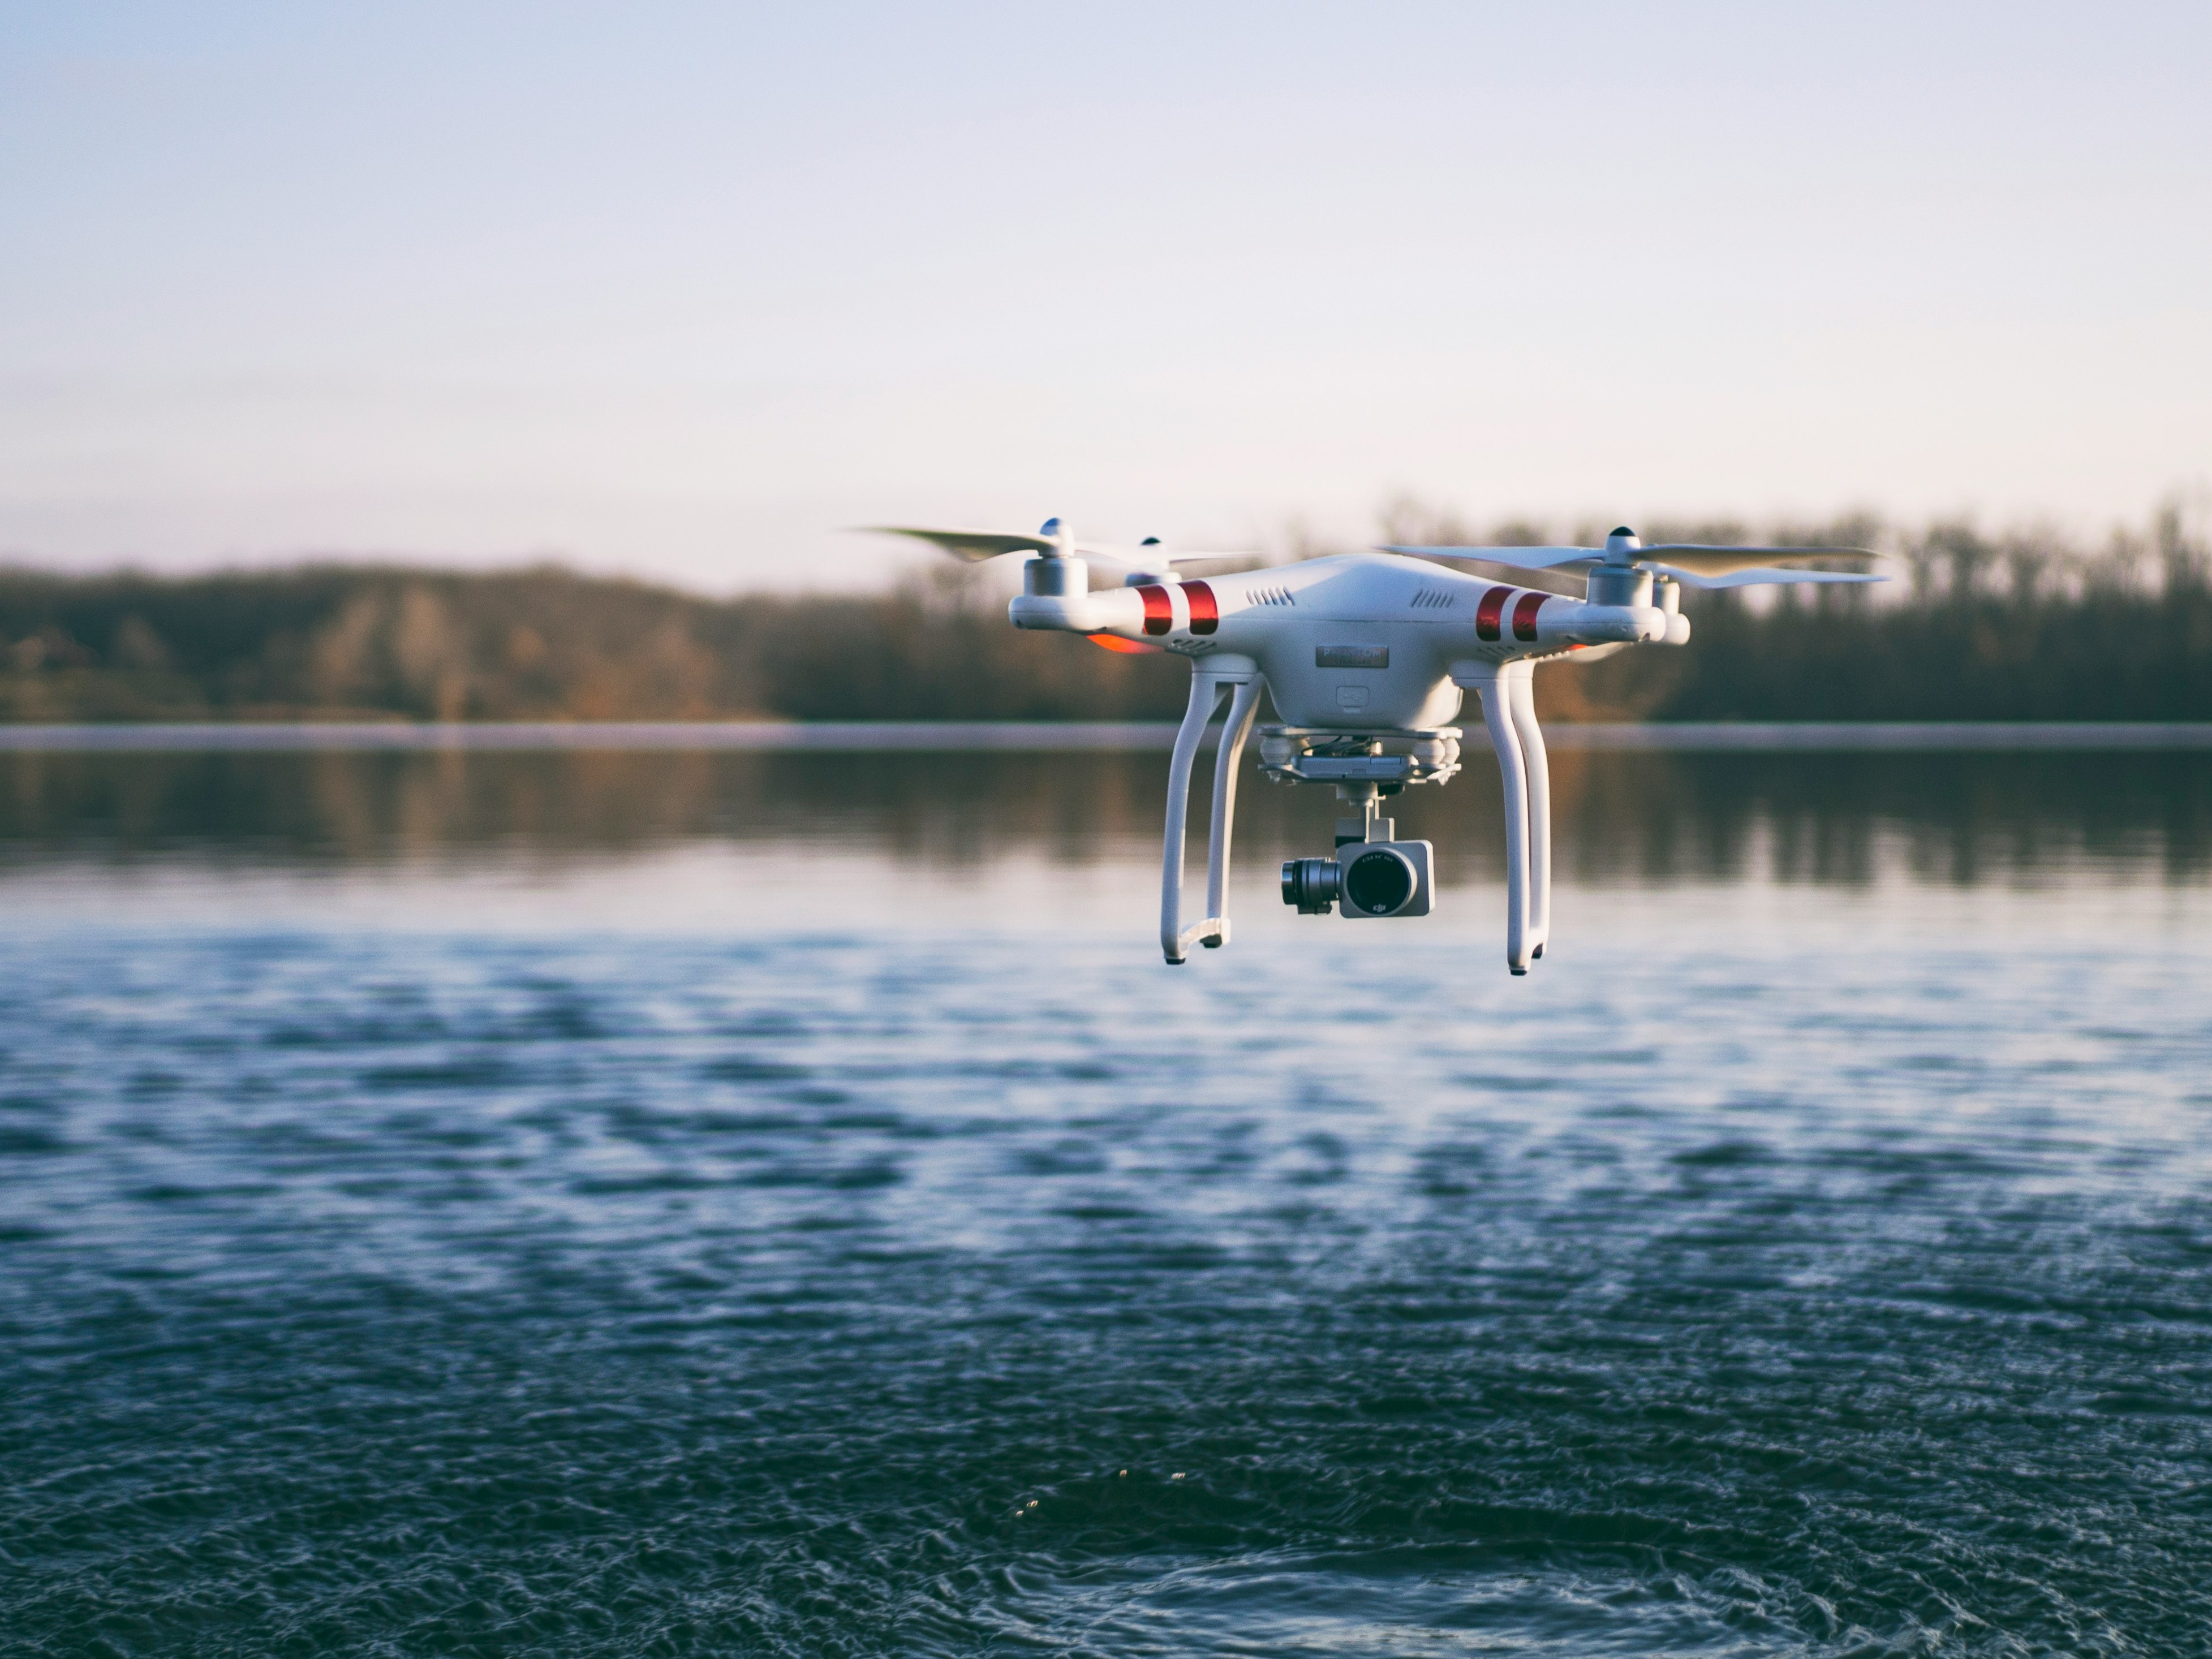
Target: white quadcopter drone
x,y
1367,657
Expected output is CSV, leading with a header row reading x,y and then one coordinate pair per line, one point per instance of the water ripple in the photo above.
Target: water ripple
x,y
949,1293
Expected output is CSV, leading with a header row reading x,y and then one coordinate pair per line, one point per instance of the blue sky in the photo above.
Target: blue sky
x,y
682,289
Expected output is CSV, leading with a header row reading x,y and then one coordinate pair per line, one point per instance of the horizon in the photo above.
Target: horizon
x,y
2190,513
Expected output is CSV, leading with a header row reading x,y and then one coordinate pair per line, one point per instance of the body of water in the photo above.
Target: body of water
x,y
759,1203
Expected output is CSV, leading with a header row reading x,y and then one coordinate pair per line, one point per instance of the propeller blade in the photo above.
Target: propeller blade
x,y
1149,558
972,546
1758,576
1691,563
1709,560
1520,558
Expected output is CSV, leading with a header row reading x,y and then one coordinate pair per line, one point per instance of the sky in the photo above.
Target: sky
x,y
686,290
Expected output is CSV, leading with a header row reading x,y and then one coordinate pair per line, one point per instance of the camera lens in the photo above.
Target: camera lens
x,y
1379,884
1310,884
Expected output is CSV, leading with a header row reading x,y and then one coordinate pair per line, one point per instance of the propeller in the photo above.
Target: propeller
x,y
1694,564
1053,539
971,546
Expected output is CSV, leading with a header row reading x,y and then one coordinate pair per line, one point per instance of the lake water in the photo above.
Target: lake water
x,y
780,1203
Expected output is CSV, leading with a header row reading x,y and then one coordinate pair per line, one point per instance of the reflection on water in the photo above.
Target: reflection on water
x,y
830,1229
1829,818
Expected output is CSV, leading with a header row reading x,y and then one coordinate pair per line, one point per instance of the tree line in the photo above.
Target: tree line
x,y
2023,626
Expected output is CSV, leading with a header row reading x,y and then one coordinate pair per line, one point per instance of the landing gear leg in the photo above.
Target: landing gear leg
x,y
1494,683
1234,729
1210,677
1520,679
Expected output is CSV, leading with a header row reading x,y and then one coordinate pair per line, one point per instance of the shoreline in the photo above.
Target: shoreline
x,y
1042,736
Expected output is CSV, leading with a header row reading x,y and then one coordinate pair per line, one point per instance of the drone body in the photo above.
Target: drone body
x,y
1368,657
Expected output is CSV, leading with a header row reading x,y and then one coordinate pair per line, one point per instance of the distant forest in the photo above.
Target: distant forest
x,y
2017,627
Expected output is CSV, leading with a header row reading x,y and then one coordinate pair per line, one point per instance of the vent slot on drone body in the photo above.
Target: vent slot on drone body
x,y
1432,598
1271,596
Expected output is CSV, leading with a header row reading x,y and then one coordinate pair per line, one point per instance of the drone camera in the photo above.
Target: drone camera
x,y
1371,879
1382,878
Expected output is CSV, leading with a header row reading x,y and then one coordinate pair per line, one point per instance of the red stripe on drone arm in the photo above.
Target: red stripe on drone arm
x,y
1159,609
1205,614
1525,614
1487,613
